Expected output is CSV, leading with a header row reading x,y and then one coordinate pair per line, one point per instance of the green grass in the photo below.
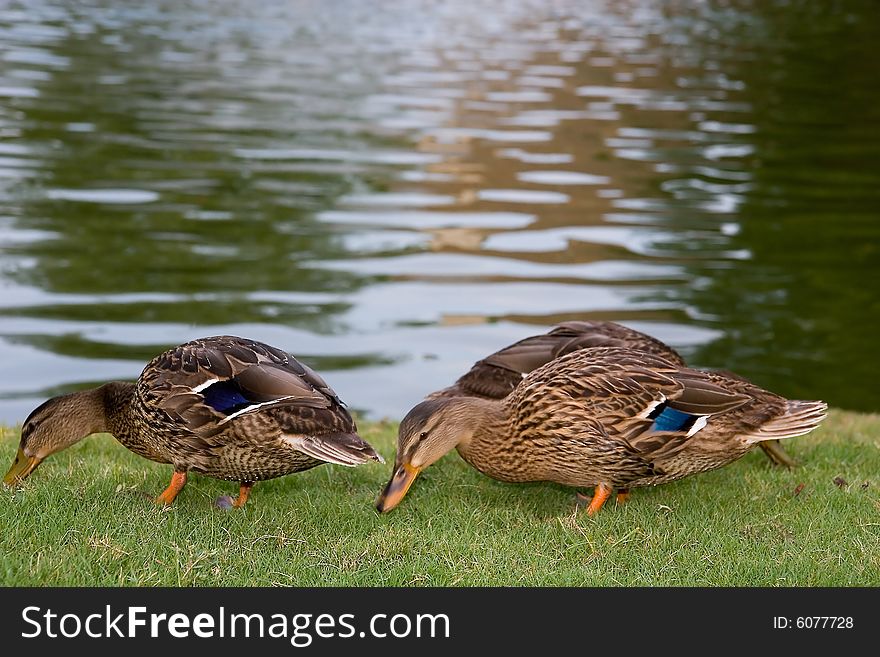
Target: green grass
x,y
82,519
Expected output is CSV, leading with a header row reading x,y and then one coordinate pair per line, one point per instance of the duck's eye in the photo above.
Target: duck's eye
x,y
423,435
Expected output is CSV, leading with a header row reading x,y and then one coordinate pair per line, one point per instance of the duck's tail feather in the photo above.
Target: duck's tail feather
x,y
341,448
800,417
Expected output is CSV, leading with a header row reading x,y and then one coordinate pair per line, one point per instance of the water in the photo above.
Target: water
x,y
393,190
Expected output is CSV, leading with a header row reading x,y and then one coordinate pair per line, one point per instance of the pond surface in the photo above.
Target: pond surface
x,y
393,190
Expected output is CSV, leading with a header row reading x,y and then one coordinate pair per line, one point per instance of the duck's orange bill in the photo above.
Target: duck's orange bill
x,y
396,489
22,466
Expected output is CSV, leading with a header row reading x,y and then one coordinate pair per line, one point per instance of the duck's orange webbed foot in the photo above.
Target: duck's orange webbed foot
x,y
623,496
178,481
244,492
600,494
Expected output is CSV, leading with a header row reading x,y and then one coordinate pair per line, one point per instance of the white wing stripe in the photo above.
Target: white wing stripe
x,y
206,384
654,404
699,423
248,409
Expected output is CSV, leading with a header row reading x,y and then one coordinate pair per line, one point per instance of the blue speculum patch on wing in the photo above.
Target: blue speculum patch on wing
x,y
226,397
668,419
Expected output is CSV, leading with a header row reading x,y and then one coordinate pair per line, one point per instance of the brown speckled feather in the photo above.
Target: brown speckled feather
x,y
495,376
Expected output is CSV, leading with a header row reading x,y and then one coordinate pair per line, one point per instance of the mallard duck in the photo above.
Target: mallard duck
x,y
606,417
495,376
226,407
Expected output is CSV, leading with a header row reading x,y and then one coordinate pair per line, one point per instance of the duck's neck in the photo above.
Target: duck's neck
x,y
114,401
98,410
486,427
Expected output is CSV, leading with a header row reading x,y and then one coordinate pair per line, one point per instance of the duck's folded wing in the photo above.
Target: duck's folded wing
x,y
487,380
531,353
675,415
701,396
588,334
199,363
341,448
498,374
652,406
208,383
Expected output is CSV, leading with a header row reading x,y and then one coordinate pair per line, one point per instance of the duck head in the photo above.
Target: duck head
x,y
430,430
55,425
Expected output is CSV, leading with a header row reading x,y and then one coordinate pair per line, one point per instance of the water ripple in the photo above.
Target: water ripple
x,y
115,196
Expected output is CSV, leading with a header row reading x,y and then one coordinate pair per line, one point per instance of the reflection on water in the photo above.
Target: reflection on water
x,y
392,191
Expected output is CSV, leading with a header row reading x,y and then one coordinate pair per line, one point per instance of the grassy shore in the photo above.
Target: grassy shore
x,y
83,519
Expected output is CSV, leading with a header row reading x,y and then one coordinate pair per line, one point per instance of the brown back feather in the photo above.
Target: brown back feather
x,y
497,375
304,403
